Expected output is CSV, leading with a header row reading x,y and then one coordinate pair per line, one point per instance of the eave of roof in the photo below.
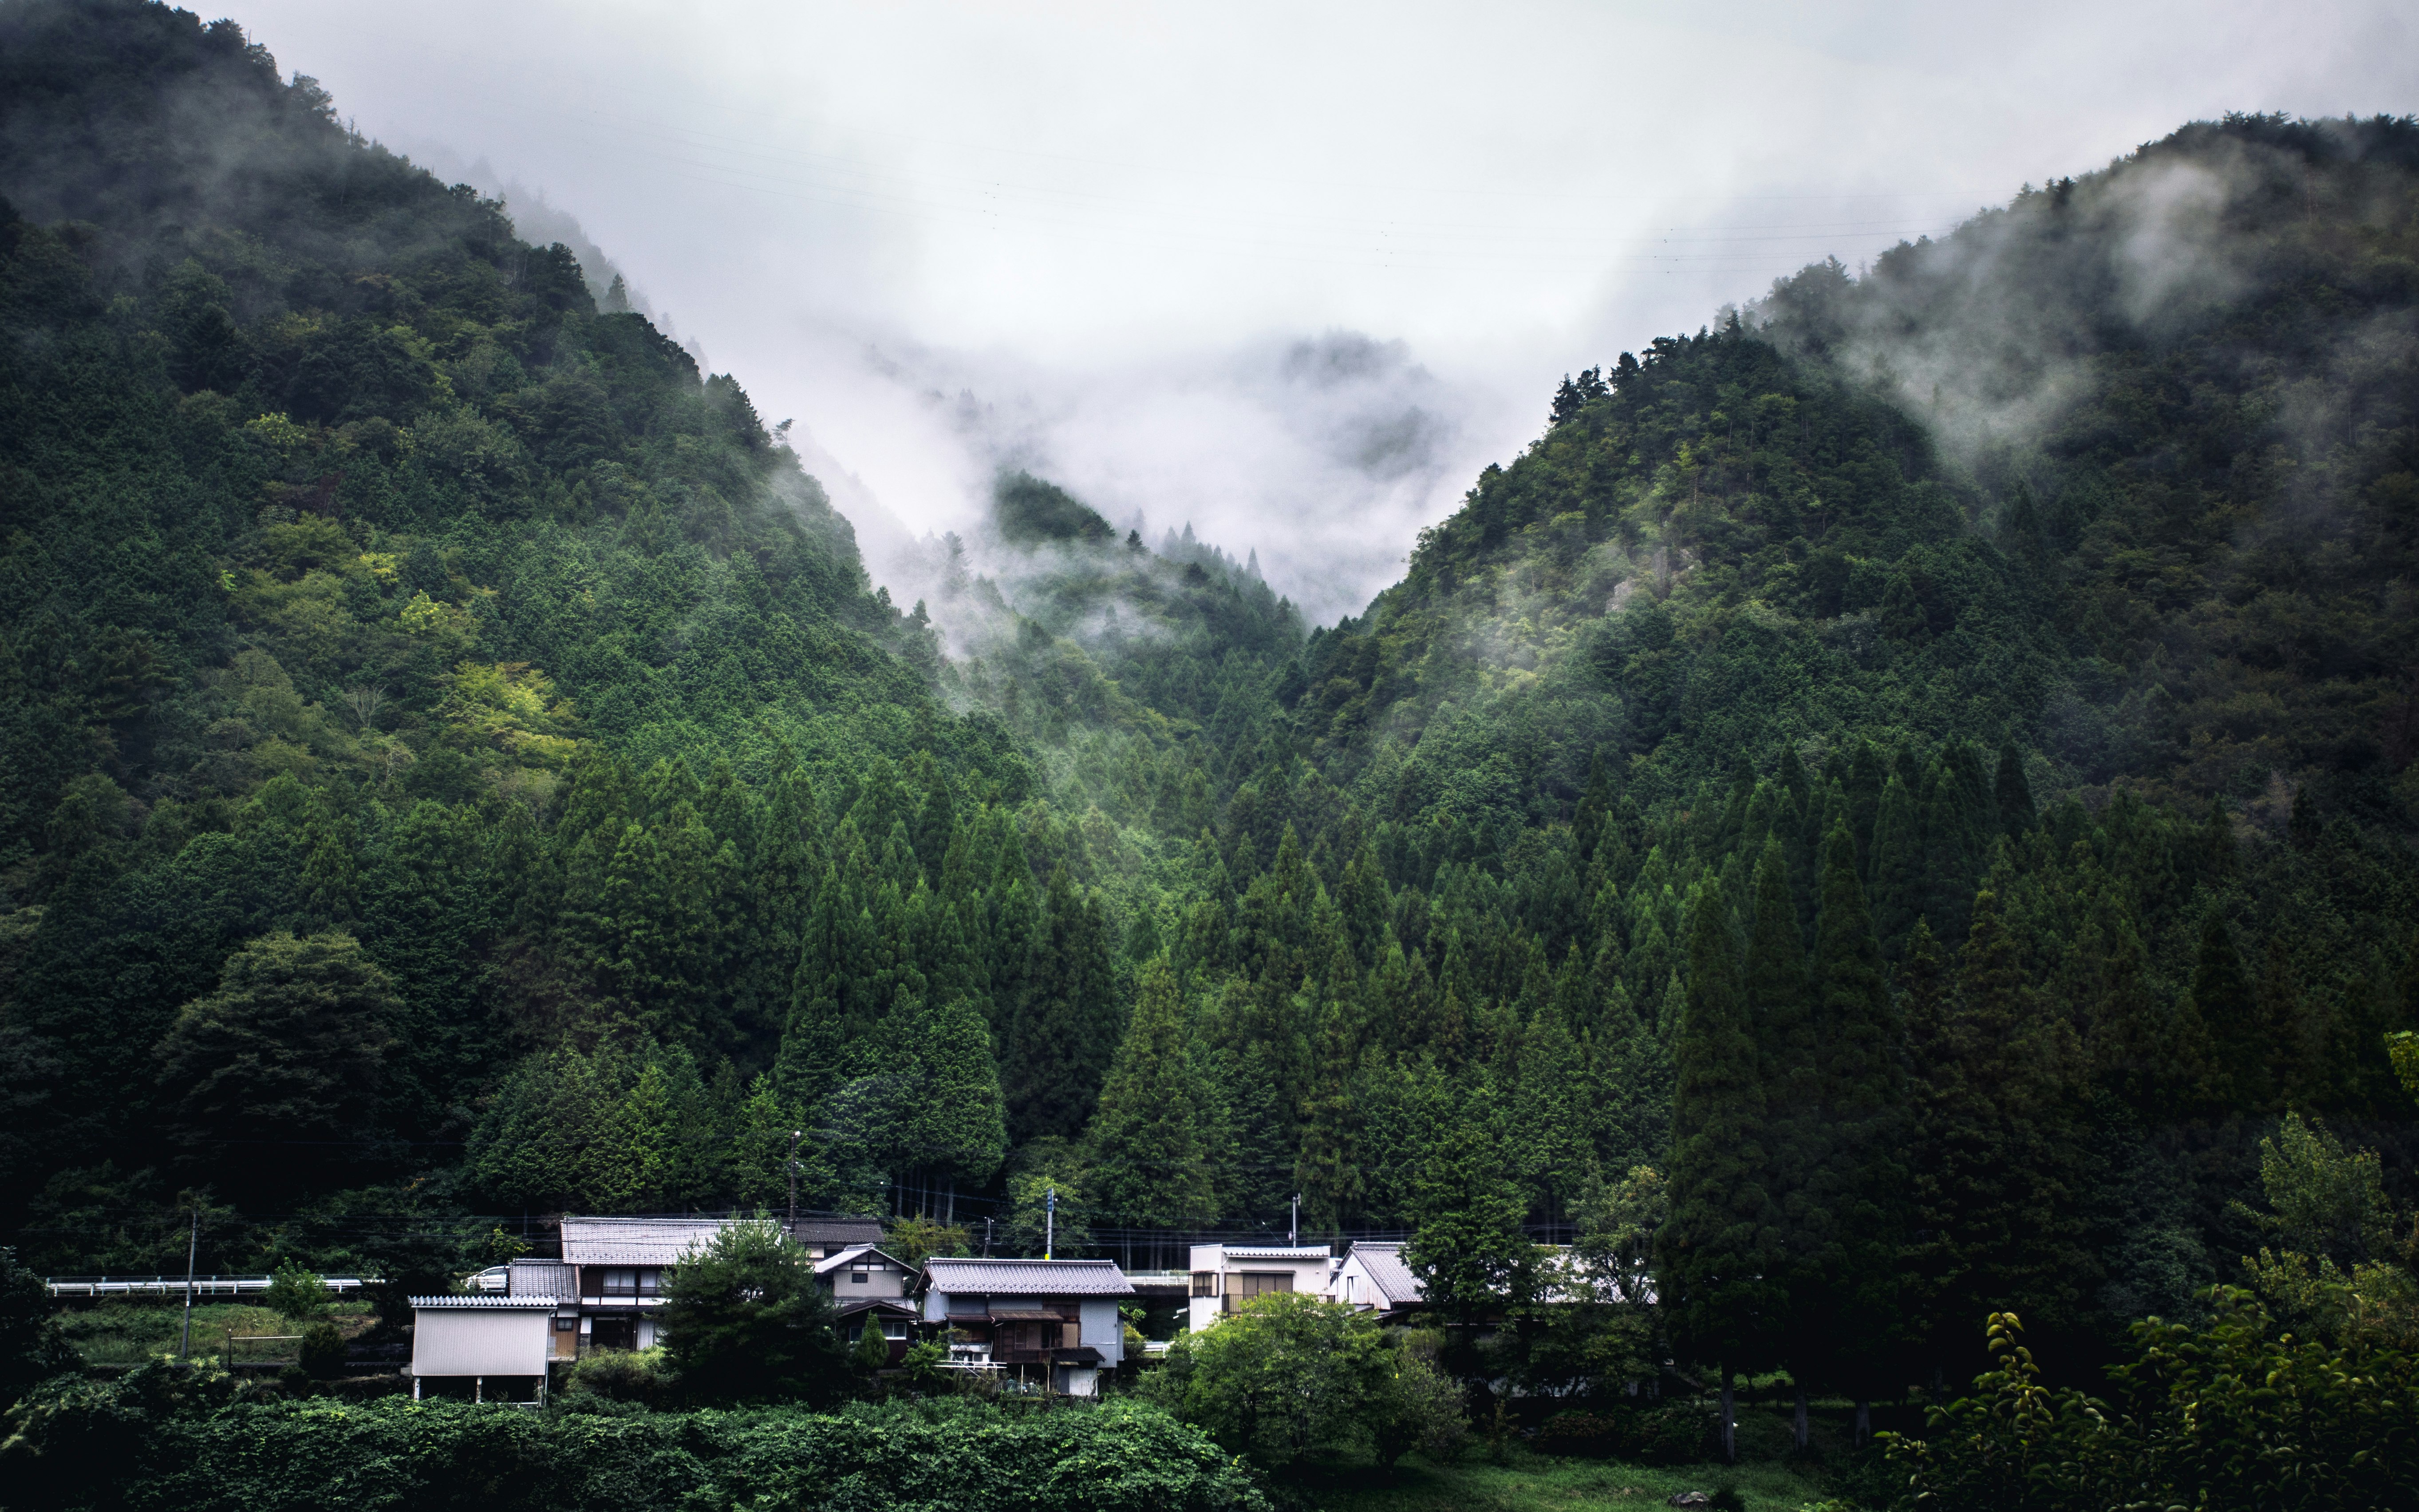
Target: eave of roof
x,y
1027,1278
489,1302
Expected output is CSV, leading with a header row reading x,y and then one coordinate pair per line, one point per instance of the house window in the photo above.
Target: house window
x,y
1205,1283
1262,1283
857,1277
633,1282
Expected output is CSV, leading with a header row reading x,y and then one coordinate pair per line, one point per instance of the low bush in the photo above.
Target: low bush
x,y
321,1353
176,1439
642,1375
1677,1434
2236,1413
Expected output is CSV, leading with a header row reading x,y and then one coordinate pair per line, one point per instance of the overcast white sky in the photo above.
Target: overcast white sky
x,y
1112,228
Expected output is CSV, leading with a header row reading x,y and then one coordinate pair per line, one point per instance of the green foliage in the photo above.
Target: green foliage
x,y
177,1441
2232,1414
744,1320
286,1056
296,1294
1466,1247
32,1348
1287,1376
321,1352
1030,1226
871,1352
916,1237
643,1378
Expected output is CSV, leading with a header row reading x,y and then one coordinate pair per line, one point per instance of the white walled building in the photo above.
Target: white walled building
x,y
499,1344
1225,1276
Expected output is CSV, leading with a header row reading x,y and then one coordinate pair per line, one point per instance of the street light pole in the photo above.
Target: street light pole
x,y
796,1135
1049,1224
193,1248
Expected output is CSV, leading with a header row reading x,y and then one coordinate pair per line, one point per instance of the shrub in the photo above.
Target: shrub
x,y
164,1440
744,1321
2233,1413
642,1375
322,1354
1287,1375
296,1294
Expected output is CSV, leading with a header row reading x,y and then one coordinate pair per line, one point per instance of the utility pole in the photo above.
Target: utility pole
x,y
986,1238
1049,1224
796,1135
1293,1228
193,1248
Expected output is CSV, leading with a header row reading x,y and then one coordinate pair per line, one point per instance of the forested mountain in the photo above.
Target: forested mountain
x,y
1924,766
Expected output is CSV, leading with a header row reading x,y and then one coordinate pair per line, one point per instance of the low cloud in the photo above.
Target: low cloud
x,y
1323,454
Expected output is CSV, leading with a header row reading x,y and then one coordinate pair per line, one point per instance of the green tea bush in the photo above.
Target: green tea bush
x,y
165,1438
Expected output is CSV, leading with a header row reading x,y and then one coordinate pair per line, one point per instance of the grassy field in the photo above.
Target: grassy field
x,y
1538,1482
131,1331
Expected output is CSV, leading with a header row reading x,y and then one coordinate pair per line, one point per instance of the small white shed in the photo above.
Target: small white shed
x,y
498,1344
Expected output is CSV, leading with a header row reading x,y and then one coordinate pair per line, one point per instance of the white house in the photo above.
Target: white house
x,y
1225,1276
1374,1278
498,1345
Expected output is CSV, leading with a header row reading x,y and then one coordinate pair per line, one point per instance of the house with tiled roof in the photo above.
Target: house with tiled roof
x,y
867,1283
1043,1322
606,1291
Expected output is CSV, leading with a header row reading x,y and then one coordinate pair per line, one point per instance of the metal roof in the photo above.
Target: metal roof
x,y
1028,1278
637,1240
541,1278
1383,1264
485,1302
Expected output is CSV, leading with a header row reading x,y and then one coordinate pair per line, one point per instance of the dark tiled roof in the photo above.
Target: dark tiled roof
x,y
834,1233
1028,1278
876,1305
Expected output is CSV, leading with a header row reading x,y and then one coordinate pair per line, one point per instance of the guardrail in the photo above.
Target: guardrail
x,y
174,1286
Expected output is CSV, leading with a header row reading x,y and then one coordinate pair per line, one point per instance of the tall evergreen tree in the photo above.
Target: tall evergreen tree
x,y
1859,1185
2013,794
2223,997
1788,1057
1895,869
1714,1254
1066,1028
1150,1155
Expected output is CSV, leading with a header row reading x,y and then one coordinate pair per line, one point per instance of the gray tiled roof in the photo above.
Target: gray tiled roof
x,y
636,1241
1389,1275
833,1233
485,1302
1028,1278
1277,1251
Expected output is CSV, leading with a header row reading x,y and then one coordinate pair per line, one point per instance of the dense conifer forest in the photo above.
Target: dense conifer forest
x,y
1892,796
